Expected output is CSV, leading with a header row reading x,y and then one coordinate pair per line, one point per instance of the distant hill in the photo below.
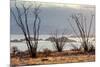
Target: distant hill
x,y
65,39
21,40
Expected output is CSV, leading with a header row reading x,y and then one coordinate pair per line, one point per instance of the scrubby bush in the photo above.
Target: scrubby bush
x,y
58,42
46,52
91,48
14,51
88,48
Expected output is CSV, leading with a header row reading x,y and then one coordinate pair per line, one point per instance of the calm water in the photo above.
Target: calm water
x,y
42,44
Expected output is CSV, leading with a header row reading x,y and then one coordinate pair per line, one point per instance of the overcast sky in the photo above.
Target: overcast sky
x,y
54,16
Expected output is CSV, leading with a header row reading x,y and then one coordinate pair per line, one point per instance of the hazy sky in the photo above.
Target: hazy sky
x,y
54,16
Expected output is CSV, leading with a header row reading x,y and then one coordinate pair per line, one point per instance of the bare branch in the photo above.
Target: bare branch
x,y
80,21
32,47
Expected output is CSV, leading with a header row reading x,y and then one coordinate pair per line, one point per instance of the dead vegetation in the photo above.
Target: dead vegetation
x,y
24,12
54,57
84,30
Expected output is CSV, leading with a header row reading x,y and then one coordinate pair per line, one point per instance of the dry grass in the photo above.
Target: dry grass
x,y
54,58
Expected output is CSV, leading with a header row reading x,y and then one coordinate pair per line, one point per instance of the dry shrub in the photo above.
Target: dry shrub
x,y
90,48
47,52
14,51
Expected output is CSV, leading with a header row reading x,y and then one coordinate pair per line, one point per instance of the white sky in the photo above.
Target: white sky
x,y
60,3
89,2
